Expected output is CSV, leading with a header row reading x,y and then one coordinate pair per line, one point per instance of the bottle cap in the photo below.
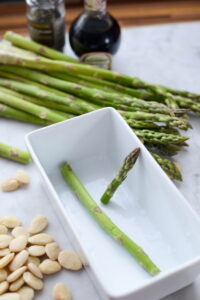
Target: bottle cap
x,y
102,60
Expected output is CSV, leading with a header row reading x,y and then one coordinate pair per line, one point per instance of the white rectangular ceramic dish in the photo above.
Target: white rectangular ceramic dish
x,y
147,207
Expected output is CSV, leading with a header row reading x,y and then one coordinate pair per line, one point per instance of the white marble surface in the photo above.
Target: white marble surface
x,y
165,54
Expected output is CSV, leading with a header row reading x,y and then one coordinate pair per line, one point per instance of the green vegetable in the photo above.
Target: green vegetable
x,y
30,45
128,164
105,222
15,154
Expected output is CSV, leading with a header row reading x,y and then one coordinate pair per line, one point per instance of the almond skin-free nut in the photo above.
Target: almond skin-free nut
x,y
19,260
10,184
49,266
6,260
26,293
36,250
16,285
16,274
10,296
35,270
22,177
4,252
33,281
18,244
33,259
61,292
52,250
3,287
3,275
69,260
19,230
10,221
38,224
40,239
3,229
5,240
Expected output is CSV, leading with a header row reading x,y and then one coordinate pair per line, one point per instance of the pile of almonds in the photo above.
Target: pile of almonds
x,y
26,255
13,183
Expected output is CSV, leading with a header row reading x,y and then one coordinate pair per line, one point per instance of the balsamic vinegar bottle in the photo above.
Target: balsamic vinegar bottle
x,y
94,30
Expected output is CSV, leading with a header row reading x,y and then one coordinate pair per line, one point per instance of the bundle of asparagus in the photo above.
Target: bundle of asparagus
x,y
43,86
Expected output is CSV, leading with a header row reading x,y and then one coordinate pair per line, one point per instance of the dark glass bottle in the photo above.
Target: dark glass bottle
x,y
94,30
46,22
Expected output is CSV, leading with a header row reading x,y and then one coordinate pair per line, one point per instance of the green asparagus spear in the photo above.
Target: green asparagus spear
x,y
186,94
15,154
163,150
56,107
144,116
171,168
9,112
171,103
128,164
186,103
14,50
105,222
36,110
104,85
30,45
144,125
160,137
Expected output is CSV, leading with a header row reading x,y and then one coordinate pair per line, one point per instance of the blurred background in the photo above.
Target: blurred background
x,y
128,12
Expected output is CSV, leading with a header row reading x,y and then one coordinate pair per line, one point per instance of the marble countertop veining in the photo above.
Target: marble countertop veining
x,y
163,54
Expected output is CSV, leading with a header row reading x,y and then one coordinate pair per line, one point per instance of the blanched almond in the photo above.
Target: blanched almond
x,y
19,230
10,296
33,259
22,177
16,274
49,266
16,285
61,292
33,281
26,293
69,260
18,244
52,250
36,250
10,184
35,270
19,260
4,252
3,287
3,229
3,275
38,224
10,221
6,260
5,240
40,239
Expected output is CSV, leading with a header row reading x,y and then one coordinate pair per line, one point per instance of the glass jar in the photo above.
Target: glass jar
x,y
46,22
